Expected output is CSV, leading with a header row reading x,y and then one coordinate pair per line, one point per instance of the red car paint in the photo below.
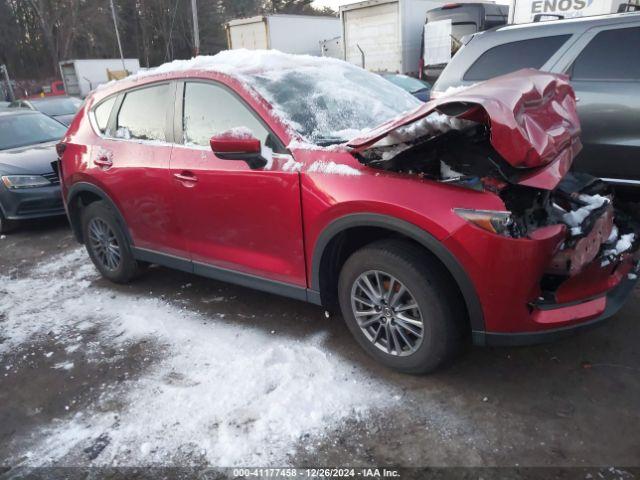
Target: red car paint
x,y
187,203
533,121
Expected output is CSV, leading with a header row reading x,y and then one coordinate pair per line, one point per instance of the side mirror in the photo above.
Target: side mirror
x,y
238,145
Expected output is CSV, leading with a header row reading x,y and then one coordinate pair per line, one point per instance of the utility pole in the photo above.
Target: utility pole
x,y
115,25
5,73
196,33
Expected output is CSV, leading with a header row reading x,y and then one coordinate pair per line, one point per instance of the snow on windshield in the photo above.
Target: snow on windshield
x,y
324,100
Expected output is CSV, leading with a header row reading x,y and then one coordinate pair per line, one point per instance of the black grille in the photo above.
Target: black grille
x,y
52,177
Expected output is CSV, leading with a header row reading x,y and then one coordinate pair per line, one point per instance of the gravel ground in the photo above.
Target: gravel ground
x,y
178,370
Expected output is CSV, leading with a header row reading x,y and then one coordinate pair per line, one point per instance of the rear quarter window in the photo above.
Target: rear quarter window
x,y
509,57
102,113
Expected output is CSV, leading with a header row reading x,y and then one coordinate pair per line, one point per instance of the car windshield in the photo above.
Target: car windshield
x,y
407,83
57,106
28,129
331,102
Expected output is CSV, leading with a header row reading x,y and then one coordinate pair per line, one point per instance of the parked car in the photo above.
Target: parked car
x,y
604,72
452,219
416,87
60,107
455,21
29,186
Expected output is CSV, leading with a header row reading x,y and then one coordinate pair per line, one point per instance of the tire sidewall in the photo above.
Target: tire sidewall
x,y
127,265
432,302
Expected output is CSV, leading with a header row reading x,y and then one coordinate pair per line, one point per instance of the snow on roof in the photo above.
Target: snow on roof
x,y
323,100
241,62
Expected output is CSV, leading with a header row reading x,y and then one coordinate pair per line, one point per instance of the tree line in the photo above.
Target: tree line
x,y
36,34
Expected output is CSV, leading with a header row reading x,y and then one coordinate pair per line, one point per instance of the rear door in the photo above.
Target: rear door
x,y
606,77
131,163
235,219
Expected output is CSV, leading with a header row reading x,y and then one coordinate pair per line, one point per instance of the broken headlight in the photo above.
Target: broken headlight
x,y
494,221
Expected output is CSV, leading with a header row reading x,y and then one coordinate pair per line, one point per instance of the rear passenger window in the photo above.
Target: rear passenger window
x,y
507,58
142,114
611,55
102,113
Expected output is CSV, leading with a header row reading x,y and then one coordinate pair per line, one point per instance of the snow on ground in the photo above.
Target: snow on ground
x,y
217,392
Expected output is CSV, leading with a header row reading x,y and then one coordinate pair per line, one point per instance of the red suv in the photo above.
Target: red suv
x,y
455,219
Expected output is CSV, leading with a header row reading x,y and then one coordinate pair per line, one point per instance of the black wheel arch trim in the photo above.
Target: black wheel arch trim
x,y
414,232
80,187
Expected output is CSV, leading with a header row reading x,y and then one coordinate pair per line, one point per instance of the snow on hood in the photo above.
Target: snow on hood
x,y
324,100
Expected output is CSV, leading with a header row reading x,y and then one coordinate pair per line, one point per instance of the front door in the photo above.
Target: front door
x,y
235,219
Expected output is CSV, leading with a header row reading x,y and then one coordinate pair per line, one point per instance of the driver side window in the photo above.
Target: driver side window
x,y
209,109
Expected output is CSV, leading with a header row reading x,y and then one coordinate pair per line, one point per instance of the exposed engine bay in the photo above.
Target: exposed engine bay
x,y
459,152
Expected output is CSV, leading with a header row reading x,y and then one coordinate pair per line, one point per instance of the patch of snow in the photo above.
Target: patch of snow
x,y
123,132
322,166
448,173
632,276
291,165
452,90
433,124
238,132
63,366
624,243
615,233
575,218
228,391
267,154
575,231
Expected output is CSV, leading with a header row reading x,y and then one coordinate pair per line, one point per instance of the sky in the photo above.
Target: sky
x,y
336,3
332,3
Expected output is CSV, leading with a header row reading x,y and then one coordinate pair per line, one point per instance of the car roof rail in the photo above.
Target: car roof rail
x,y
633,6
541,16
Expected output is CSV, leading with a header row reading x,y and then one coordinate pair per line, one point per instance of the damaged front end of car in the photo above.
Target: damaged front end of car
x,y
516,136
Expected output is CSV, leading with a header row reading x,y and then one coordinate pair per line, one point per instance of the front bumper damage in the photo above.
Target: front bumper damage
x,y
560,256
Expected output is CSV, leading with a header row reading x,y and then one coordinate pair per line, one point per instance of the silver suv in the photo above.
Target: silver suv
x,y
600,54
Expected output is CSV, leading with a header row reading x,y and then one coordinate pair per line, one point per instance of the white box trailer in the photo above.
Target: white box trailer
x,y
332,47
385,35
299,34
82,76
526,11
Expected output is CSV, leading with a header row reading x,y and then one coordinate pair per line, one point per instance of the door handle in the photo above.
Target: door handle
x,y
186,177
104,162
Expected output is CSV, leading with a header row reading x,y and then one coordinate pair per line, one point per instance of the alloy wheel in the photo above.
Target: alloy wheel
x,y
104,243
387,313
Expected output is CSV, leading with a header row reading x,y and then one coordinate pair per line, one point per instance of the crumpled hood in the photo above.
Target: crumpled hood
x,y
33,159
531,115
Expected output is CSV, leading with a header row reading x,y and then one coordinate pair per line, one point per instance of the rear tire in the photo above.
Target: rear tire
x,y
414,299
107,243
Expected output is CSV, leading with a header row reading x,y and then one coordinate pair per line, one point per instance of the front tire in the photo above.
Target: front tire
x,y
401,306
107,243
